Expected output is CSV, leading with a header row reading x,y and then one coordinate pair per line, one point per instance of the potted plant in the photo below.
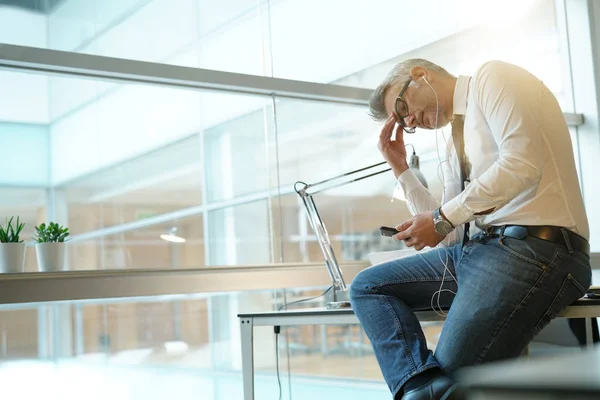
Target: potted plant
x,y
50,246
12,248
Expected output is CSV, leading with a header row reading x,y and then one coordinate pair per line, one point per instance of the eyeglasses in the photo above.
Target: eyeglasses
x,y
401,109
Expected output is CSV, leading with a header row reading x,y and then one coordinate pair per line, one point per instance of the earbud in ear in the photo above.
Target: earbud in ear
x,y
425,79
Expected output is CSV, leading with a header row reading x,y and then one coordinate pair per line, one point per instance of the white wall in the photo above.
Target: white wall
x,y
98,124
24,155
23,96
131,121
22,27
23,105
75,21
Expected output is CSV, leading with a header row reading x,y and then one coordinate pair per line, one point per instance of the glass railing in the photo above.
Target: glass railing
x,y
183,346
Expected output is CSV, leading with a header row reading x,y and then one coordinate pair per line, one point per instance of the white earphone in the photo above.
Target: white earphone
x,y
441,290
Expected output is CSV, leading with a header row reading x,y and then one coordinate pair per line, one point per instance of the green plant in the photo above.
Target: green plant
x,y
11,233
51,233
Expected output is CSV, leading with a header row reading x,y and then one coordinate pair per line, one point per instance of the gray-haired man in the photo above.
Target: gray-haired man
x,y
516,180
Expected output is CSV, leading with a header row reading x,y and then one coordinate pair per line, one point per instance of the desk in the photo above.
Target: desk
x,y
583,308
566,377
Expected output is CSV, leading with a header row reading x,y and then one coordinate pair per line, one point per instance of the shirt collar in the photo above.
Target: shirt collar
x,y
461,90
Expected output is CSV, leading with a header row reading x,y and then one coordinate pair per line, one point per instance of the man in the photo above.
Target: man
x,y
530,258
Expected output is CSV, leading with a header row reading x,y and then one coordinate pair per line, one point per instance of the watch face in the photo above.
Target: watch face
x,y
442,227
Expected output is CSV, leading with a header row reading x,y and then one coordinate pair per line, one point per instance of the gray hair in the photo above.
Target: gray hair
x,y
397,77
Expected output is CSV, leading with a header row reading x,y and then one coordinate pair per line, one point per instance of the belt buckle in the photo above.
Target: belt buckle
x,y
489,231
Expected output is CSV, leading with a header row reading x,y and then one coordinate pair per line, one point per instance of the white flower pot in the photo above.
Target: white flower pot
x,y
12,257
50,256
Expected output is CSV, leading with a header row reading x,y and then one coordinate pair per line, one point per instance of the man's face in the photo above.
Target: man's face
x,y
421,102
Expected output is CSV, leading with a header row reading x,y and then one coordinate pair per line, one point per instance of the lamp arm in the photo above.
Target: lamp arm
x,y
306,192
339,180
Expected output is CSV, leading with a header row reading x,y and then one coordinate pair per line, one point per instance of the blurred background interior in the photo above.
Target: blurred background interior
x,y
122,163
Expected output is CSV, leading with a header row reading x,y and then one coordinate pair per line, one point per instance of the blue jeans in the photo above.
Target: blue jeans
x,y
508,290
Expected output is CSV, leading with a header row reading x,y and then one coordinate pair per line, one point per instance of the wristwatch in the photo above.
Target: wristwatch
x,y
441,224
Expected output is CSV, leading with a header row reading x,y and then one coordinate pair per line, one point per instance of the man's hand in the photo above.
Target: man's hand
x,y
393,151
418,232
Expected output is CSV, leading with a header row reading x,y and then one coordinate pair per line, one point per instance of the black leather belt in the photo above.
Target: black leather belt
x,y
555,234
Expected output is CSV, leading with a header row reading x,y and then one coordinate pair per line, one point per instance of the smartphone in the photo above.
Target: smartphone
x,y
387,231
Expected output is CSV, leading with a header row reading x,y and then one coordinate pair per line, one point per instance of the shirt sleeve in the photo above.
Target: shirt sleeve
x,y
510,99
419,199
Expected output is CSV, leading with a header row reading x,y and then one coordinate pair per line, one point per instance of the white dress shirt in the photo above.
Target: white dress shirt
x,y
519,148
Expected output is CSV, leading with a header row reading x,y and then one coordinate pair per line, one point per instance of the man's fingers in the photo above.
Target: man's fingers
x,y
411,241
385,135
419,246
399,134
389,124
403,230
388,128
404,226
403,235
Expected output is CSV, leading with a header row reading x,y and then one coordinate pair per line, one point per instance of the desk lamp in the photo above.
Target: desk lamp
x,y
339,296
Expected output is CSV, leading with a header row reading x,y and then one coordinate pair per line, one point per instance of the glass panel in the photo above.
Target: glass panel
x,y
189,346
119,153
174,244
240,235
352,222
169,327
183,346
154,183
524,33
18,334
318,141
459,35
245,35
27,140
236,155
201,33
123,153
139,348
110,125
267,37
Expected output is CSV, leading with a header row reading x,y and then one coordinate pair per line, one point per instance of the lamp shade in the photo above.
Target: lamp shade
x,y
414,165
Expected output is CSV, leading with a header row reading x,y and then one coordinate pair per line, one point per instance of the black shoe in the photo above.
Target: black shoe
x,y
438,388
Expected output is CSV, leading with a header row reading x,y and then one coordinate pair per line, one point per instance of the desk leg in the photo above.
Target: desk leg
x,y
589,336
324,349
247,333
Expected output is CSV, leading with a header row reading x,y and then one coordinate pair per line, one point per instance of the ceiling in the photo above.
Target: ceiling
x,y
41,6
